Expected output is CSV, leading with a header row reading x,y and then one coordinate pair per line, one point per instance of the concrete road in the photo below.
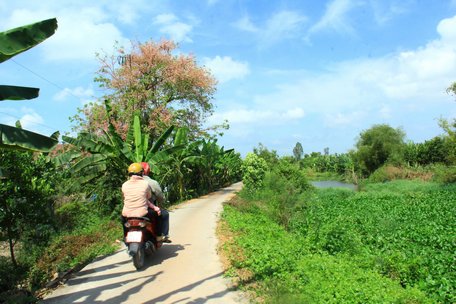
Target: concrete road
x,y
185,271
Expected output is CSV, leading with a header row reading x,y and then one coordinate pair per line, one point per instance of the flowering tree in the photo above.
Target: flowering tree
x,y
162,87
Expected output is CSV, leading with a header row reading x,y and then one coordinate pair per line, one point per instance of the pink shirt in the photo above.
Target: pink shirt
x,y
136,193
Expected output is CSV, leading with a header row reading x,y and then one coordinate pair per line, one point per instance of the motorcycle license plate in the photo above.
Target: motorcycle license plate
x,y
134,236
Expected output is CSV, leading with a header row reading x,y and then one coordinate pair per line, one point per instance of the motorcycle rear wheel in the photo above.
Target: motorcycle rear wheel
x,y
138,258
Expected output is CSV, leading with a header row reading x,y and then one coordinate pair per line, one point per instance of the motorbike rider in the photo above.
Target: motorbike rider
x,y
137,194
157,196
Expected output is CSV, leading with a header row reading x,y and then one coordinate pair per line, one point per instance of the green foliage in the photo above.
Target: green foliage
x,y
285,271
73,249
9,275
450,129
270,157
100,162
200,167
433,151
298,151
399,233
254,170
390,173
378,145
25,196
444,174
403,229
340,164
21,39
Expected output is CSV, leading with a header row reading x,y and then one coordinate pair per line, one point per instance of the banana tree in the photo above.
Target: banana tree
x,y
211,154
93,157
179,164
12,43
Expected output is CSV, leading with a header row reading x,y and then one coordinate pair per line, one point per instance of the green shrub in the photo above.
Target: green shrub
x,y
254,169
445,174
75,214
10,276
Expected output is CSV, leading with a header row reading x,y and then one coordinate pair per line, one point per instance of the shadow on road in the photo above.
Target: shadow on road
x,y
165,252
189,287
90,295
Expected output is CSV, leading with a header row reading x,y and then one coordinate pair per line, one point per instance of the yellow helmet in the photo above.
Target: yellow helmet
x,y
135,168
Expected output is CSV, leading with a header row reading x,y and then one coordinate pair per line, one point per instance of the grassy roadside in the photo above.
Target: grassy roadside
x,y
44,267
392,243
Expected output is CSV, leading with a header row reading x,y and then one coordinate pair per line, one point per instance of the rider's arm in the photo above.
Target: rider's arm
x,y
149,203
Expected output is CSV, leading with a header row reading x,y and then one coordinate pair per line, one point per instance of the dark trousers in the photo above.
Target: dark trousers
x,y
162,221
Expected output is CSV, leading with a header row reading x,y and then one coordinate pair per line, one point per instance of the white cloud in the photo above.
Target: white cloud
x,y
336,17
85,95
170,25
76,38
254,116
371,89
284,24
128,12
30,121
295,113
384,11
226,69
281,25
245,24
344,119
10,116
447,29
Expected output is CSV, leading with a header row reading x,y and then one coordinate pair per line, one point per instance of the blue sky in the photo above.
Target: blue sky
x,y
314,72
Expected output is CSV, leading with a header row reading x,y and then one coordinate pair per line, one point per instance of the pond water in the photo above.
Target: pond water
x,y
332,184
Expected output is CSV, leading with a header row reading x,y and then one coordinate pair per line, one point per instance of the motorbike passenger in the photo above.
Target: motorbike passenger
x,y
157,196
137,194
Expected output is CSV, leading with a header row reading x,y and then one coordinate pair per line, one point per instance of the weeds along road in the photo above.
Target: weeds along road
x,y
185,271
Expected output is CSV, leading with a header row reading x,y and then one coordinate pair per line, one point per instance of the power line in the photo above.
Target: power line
x,y
36,74
31,122
47,80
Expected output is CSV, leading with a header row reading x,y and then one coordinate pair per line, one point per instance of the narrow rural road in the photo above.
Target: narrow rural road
x,y
185,271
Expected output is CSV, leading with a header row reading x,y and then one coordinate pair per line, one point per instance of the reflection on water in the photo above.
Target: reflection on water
x,y
332,184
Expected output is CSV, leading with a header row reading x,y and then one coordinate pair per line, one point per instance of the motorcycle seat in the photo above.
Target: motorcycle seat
x,y
139,218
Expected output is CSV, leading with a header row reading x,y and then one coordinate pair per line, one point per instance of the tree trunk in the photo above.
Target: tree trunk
x,y
9,231
11,244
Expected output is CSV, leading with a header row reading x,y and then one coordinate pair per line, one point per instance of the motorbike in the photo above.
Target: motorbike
x,y
141,238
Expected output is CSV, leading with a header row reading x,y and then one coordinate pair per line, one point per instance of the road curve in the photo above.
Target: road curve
x,y
185,271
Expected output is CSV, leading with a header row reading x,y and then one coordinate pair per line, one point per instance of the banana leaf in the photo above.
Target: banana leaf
x,y
181,136
88,161
138,137
20,39
161,140
19,139
8,92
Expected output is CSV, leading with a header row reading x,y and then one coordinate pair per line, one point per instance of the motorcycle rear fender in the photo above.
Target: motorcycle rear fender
x,y
133,248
